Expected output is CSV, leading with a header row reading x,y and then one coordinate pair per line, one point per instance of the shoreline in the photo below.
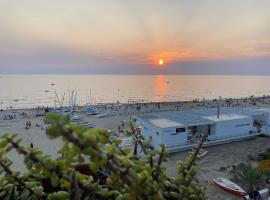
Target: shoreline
x,y
119,108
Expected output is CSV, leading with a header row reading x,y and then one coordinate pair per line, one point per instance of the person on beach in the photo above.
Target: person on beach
x,y
254,194
119,129
28,125
47,109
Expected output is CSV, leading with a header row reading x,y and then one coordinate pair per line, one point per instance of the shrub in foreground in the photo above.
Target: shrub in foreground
x,y
91,166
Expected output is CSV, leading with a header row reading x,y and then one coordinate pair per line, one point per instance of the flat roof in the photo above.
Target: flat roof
x,y
165,123
226,117
196,117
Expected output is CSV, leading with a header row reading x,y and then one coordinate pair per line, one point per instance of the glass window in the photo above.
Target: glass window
x,y
179,130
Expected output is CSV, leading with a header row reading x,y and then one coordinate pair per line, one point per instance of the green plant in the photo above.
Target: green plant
x,y
91,166
264,155
248,175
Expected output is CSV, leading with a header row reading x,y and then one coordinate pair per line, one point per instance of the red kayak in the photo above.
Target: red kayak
x,y
229,186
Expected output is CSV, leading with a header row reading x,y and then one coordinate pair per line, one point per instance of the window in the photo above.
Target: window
x,y
179,130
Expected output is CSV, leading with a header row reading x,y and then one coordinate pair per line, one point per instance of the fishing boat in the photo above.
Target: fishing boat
x,y
229,186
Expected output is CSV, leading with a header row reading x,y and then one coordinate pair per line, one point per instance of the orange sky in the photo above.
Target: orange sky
x,y
125,32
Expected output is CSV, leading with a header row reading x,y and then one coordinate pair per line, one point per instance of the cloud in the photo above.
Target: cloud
x,y
130,36
265,42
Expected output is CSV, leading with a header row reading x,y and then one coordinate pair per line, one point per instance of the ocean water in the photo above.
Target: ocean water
x,y
29,91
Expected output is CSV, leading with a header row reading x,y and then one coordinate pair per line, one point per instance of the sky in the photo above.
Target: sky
x,y
132,36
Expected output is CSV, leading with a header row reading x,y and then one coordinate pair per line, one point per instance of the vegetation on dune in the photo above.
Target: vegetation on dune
x,y
91,166
265,155
248,175
255,173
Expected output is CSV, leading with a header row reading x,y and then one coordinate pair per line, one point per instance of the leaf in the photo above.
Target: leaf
x,y
3,144
54,179
38,190
94,167
25,194
60,195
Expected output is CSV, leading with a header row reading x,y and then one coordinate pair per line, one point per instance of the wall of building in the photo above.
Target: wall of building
x,y
171,138
268,118
152,133
233,127
204,129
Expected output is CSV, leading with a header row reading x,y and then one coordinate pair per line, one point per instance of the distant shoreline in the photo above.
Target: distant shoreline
x,y
146,107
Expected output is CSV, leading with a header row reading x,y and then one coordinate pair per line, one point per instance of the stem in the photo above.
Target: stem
x,y
194,157
161,155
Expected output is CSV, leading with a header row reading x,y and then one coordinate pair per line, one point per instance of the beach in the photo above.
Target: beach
x,y
217,163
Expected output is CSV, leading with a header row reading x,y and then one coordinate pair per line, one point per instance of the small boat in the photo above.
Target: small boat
x,y
76,118
201,154
102,115
87,124
229,186
90,110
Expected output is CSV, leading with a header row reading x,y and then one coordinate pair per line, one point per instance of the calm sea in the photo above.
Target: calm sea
x,y
28,91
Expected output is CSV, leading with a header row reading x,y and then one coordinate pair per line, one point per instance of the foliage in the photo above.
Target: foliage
x,y
264,155
91,166
248,175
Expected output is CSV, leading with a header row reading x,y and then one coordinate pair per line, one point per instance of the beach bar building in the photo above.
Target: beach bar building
x,y
180,130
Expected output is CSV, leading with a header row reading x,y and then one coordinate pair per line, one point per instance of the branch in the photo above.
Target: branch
x,y
194,157
161,155
9,173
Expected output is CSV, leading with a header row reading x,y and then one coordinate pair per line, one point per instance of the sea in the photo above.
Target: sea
x,y
30,91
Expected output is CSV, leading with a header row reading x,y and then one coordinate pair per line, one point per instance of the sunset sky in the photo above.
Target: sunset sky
x,y
133,36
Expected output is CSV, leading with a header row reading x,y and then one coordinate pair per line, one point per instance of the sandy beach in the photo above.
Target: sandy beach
x,y
220,156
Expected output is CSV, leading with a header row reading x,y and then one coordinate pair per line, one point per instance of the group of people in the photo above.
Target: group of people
x,y
10,116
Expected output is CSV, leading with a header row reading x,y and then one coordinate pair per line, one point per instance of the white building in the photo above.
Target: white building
x,y
181,130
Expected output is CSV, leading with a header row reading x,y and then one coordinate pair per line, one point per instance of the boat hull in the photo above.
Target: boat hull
x,y
229,190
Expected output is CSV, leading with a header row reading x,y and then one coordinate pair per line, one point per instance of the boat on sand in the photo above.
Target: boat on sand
x,y
201,153
229,186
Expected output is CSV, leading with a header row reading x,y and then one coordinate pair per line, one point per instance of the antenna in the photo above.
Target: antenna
x,y
218,107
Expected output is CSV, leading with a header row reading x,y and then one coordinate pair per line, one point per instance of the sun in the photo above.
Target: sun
x,y
161,61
